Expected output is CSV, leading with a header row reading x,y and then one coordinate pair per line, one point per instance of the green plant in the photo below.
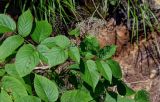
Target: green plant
x,y
142,18
100,8
54,11
95,76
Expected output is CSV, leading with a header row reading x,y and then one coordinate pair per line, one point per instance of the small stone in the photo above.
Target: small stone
x,y
153,74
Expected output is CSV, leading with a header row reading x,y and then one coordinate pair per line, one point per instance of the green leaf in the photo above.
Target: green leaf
x,y
62,41
124,99
45,89
142,96
105,70
9,46
4,97
49,42
113,2
28,87
28,99
26,59
54,56
11,70
107,52
2,72
42,31
74,54
90,75
115,67
14,87
124,90
91,43
88,55
25,23
7,24
76,96
75,32
74,66
111,97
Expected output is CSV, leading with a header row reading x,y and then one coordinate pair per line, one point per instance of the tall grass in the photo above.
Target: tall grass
x,y
49,9
140,14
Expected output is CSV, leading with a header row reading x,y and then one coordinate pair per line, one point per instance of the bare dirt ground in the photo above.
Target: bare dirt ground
x,y
141,65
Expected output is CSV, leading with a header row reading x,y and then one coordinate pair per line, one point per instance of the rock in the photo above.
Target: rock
x,y
153,73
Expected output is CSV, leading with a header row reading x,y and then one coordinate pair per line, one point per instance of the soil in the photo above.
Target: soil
x,y
141,65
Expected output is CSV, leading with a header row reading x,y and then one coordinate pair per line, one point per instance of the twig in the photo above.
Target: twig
x,y
135,82
97,10
42,68
156,41
1,38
